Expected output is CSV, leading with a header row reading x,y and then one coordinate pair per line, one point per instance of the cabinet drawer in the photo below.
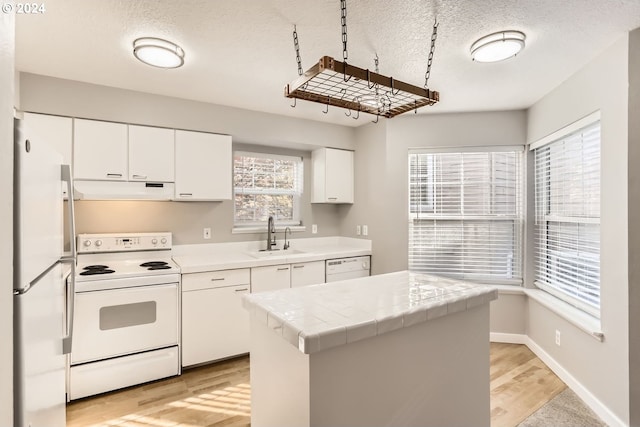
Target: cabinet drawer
x,y
215,279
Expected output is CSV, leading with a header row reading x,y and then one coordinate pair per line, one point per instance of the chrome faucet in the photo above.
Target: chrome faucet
x,y
271,234
286,242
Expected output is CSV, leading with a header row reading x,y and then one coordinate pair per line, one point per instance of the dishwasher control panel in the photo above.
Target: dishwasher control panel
x,y
347,268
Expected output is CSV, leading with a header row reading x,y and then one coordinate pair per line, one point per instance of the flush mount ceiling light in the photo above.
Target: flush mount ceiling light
x,y
158,52
336,83
498,46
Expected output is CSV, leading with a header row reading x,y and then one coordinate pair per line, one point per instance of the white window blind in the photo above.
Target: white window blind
x,y
267,185
567,193
466,215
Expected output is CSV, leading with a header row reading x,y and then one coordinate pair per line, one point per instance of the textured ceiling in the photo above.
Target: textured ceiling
x,y
240,53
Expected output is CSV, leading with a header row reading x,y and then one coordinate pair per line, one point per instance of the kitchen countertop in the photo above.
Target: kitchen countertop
x,y
225,256
318,317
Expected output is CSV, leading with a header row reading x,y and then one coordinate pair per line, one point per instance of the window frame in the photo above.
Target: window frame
x,y
545,222
467,220
297,192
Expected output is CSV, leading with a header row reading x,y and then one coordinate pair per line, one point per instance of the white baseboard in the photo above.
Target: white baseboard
x,y
508,338
596,405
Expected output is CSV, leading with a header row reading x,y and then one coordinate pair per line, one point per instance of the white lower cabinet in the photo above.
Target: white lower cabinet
x,y
270,278
307,273
214,324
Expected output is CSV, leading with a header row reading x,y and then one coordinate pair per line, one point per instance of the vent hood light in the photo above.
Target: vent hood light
x,y
498,46
158,52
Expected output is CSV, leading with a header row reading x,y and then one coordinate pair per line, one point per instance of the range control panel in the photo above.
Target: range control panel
x,y
122,242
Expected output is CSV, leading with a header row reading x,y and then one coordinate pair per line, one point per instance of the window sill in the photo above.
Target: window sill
x,y
576,317
263,229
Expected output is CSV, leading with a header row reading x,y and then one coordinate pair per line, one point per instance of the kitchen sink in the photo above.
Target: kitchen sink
x,y
263,253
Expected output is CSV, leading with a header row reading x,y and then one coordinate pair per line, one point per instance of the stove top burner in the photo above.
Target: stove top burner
x,y
159,267
155,264
96,267
92,271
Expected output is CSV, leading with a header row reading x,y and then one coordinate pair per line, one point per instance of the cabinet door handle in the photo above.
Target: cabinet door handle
x,y
332,198
139,176
241,290
186,194
114,175
298,266
216,279
283,268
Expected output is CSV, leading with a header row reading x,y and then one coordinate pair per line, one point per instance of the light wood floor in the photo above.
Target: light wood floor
x,y
219,395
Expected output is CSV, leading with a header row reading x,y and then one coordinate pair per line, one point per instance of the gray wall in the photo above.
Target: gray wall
x,y
602,367
7,79
634,227
185,219
382,170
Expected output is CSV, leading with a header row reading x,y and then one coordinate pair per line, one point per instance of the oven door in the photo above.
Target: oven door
x,y
116,322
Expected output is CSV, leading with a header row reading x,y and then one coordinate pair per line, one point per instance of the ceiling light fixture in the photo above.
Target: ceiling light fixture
x,y
498,46
158,52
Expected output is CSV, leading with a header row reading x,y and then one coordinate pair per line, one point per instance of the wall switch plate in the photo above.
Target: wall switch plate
x,y
358,230
557,337
206,233
365,230
314,228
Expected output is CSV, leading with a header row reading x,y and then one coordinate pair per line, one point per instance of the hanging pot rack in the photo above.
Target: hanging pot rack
x,y
336,83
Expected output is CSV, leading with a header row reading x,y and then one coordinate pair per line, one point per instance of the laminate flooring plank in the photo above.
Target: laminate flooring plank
x,y
219,395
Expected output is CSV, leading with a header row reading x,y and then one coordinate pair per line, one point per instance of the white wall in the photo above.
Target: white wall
x,y
7,55
601,367
185,219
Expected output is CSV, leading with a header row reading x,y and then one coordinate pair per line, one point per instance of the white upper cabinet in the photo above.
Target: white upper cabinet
x,y
151,154
203,166
100,150
332,176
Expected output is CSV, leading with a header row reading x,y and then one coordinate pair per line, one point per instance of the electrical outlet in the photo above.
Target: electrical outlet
x,y
358,230
365,230
206,233
314,229
557,337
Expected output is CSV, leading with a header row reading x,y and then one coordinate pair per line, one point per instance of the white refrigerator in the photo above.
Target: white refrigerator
x,y
43,299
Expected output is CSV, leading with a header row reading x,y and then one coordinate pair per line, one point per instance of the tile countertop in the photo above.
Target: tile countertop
x,y
318,317
224,256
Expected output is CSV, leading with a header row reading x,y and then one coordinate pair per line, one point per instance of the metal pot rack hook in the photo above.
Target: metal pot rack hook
x,y
326,110
369,85
357,98
377,119
392,92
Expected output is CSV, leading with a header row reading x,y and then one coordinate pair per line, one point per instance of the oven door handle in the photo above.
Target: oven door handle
x,y
70,285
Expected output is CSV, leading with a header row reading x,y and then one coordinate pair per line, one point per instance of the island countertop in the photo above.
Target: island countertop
x,y
318,317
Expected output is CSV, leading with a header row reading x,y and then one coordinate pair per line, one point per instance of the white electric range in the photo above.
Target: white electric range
x,y
126,313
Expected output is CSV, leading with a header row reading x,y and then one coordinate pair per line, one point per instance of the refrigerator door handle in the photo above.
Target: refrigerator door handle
x,y
71,283
67,340
66,176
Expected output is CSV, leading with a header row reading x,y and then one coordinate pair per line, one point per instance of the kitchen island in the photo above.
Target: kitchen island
x,y
396,349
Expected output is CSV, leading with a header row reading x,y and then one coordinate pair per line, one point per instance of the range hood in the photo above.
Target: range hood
x,y
122,190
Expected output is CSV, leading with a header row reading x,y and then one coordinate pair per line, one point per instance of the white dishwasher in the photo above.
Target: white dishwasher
x,y
347,268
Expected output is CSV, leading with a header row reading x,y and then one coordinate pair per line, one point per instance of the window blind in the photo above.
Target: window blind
x,y
567,194
267,185
466,215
